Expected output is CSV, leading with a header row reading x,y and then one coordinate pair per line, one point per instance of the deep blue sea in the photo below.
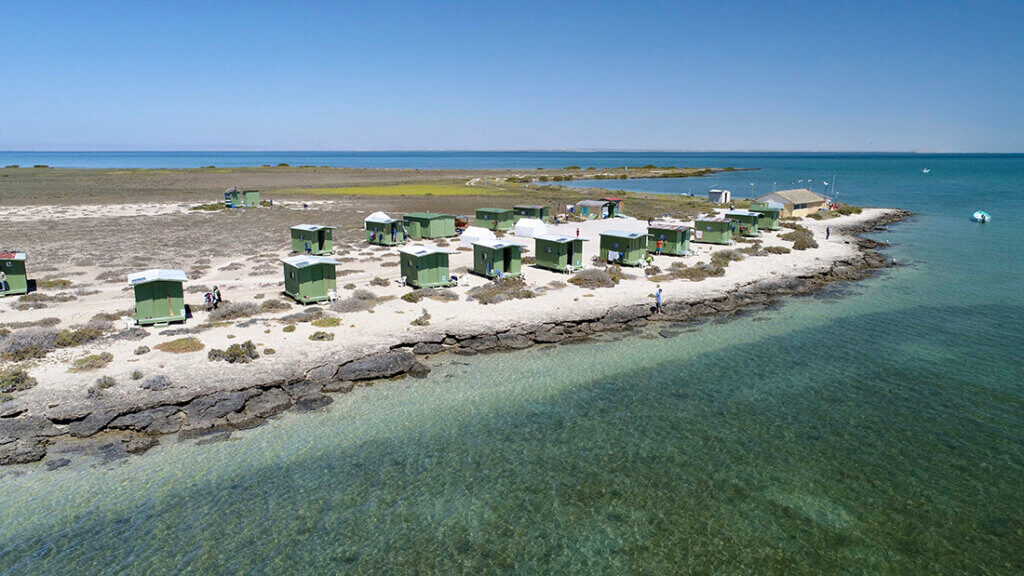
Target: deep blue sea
x,y
874,428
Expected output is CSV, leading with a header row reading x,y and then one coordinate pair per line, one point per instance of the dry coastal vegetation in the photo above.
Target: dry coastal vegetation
x,y
90,228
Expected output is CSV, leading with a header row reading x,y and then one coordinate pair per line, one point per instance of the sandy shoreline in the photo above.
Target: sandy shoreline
x,y
300,370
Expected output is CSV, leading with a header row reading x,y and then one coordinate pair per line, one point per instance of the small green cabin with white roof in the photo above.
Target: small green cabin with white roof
x,y
495,218
745,220
13,277
429,225
159,296
312,239
713,231
532,211
497,259
309,278
626,248
771,214
425,266
235,198
675,240
558,253
384,230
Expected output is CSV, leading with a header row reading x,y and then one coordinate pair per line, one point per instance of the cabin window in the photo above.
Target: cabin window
x,y
615,245
484,256
9,263
661,236
546,249
292,274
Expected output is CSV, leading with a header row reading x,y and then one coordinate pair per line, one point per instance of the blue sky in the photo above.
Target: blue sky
x,y
828,76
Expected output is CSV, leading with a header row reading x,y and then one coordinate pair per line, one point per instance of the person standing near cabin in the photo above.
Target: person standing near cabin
x,y
657,301
658,245
394,234
216,297
577,232
3,281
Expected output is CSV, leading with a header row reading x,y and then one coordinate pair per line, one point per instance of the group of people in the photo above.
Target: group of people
x,y
212,299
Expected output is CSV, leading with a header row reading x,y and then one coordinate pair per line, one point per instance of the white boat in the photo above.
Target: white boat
x,y
926,171
981,216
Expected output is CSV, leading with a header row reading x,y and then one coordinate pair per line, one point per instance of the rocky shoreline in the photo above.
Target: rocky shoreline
x,y
115,429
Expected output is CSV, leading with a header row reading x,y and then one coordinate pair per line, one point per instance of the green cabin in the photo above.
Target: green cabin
x,y
235,198
771,215
15,279
425,266
309,278
159,296
495,259
745,220
713,231
429,225
312,239
675,240
626,248
384,230
559,253
495,218
595,209
531,211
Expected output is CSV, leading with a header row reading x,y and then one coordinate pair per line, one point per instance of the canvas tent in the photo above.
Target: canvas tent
x,y
474,234
384,230
159,296
530,228
309,278
558,253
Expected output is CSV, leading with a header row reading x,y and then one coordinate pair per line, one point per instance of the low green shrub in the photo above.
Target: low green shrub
x,y
235,354
321,336
180,345
15,380
91,362
500,290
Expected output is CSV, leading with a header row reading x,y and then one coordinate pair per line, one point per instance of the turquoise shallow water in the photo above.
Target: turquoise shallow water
x,y
877,427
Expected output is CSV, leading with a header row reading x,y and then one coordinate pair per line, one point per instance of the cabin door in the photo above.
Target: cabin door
x,y
570,256
321,239
507,262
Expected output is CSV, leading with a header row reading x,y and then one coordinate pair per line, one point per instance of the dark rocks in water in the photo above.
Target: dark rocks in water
x,y
268,403
514,341
419,370
307,395
22,451
384,365
135,444
27,426
548,337
210,412
344,386
481,343
427,348
668,333
91,424
57,463
466,351
159,420
212,438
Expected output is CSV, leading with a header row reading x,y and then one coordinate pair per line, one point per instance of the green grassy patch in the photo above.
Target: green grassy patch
x,y
399,190
180,345
91,362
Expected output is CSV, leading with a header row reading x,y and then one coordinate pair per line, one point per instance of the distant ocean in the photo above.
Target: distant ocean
x,y
876,427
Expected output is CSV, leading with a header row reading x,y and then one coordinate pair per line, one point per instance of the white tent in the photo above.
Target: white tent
x,y
475,234
530,228
378,217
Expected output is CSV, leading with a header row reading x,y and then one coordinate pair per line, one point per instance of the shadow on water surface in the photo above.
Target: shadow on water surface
x,y
841,447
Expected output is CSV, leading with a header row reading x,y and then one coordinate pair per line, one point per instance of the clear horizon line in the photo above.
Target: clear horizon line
x,y
496,150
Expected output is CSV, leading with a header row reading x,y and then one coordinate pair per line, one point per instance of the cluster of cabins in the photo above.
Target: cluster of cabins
x,y
311,277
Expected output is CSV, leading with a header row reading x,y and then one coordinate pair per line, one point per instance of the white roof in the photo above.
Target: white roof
x,y
622,234
380,217
423,250
530,228
157,274
474,234
309,260
13,256
311,227
557,238
742,213
496,244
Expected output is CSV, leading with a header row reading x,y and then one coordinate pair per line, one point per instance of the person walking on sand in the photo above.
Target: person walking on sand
x,y
577,232
216,297
828,232
657,301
